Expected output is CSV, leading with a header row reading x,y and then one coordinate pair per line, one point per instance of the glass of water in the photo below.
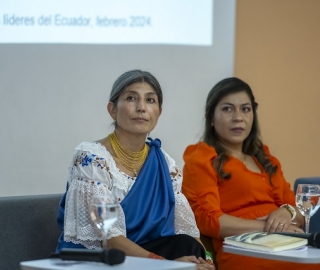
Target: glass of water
x,y
104,213
307,201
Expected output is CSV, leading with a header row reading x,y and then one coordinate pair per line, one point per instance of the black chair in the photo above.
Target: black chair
x,y
28,228
315,219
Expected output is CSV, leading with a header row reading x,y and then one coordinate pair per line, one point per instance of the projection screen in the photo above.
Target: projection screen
x,y
59,59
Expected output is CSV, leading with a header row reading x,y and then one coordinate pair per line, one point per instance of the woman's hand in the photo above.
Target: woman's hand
x,y
204,265
277,221
201,263
293,228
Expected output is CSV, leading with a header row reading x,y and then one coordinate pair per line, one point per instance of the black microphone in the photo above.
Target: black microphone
x,y
108,256
313,238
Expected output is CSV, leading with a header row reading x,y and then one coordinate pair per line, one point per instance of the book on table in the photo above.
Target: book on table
x,y
263,241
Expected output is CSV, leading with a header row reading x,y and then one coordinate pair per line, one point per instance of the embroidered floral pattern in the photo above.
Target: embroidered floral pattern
x,y
176,174
97,173
86,159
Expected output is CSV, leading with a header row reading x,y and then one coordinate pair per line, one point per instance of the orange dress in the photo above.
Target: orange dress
x,y
246,194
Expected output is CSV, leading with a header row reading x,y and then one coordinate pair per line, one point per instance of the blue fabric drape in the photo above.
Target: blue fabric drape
x,y
149,205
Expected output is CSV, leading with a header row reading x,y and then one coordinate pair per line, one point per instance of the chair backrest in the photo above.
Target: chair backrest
x,y
315,219
28,228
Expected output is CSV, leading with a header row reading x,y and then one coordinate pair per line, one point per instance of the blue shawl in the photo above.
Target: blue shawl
x,y
149,205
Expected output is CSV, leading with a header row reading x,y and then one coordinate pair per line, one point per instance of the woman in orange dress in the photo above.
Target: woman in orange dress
x,y
232,182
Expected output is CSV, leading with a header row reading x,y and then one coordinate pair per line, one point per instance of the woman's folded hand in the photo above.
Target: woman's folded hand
x,y
201,263
278,221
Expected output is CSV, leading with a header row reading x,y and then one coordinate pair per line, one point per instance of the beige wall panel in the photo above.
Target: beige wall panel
x,y
277,51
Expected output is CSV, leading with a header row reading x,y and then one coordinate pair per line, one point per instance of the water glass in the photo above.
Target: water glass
x,y
307,201
104,213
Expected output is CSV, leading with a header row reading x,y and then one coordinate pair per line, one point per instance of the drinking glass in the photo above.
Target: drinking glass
x,y
307,201
104,212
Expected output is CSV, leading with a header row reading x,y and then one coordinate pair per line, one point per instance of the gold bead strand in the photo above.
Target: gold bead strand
x,y
133,161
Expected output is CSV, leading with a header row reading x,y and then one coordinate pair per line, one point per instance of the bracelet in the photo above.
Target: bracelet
x,y
290,209
209,259
155,256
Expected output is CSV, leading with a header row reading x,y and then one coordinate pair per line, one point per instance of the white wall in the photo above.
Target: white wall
x,y
54,97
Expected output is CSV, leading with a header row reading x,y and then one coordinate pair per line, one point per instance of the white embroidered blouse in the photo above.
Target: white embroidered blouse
x,y
94,171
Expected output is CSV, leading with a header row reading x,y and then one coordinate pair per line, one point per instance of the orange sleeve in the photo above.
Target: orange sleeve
x,y
281,188
200,186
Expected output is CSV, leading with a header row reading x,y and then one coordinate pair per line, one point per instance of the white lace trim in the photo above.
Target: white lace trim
x,y
185,222
94,171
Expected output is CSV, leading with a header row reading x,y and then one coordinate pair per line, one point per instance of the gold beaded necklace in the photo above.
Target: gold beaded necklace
x,y
132,161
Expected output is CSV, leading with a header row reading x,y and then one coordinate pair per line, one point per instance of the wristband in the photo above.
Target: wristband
x,y
209,259
155,256
290,209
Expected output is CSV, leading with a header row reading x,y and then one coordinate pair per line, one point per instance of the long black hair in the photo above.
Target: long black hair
x,y
252,145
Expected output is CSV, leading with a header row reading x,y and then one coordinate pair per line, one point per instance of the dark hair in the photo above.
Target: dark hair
x,y
133,76
252,145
